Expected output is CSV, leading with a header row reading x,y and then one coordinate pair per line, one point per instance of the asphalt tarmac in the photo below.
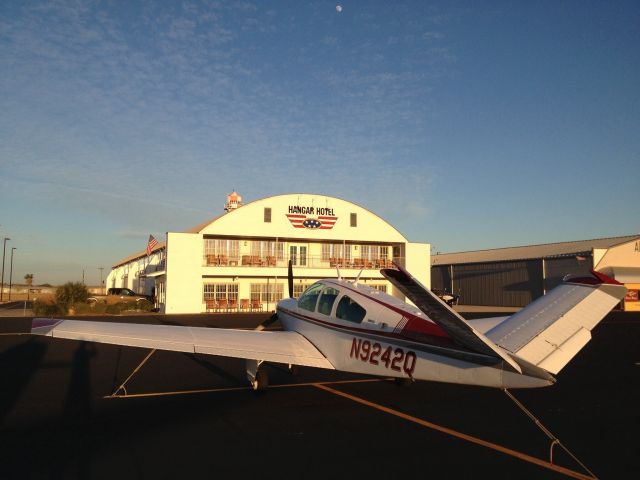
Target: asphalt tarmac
x,y
55,421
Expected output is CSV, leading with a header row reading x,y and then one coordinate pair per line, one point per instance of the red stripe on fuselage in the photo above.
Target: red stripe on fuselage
x,y
414,324
438,342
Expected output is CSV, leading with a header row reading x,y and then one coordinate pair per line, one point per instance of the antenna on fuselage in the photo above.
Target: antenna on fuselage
x,y
355,282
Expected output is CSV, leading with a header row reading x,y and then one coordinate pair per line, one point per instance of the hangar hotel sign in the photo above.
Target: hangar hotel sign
x,y
313,218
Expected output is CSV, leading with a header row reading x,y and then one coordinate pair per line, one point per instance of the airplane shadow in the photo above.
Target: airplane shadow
x,y
215,369
78,404
18,365
76,414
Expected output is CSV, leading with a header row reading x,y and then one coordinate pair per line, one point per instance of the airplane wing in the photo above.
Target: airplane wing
x,y
443,315
277,346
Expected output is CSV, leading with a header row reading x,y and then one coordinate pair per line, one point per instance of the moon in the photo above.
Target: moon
x,y
338,8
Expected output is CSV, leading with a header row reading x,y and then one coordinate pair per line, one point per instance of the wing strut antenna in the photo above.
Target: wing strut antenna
x,y
554,440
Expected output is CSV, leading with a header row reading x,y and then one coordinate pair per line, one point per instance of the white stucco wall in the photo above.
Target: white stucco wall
x,y
186,269
184,273
138,265
624,255
418,262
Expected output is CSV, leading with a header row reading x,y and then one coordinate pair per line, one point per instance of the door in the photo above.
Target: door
x,y
298,255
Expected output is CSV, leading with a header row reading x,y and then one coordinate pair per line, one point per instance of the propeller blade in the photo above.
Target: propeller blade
x,y
290,279
267,323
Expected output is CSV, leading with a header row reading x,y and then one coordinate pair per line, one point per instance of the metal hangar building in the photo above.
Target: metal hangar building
x,y
238,260
516,276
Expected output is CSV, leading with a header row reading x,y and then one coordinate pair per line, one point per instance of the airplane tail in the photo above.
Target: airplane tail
x,y
541,338
445,317
550,331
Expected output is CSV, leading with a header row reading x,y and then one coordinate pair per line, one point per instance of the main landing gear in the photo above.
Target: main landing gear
x,y
257,376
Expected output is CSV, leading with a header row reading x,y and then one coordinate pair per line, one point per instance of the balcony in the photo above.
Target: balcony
x,y
298,261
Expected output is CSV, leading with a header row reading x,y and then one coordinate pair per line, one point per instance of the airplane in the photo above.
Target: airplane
x,y
343,325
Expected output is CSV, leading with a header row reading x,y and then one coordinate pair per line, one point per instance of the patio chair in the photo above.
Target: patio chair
x,y
211,305
222,304
256,305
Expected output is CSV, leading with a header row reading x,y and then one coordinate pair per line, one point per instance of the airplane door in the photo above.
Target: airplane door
x,y
298,255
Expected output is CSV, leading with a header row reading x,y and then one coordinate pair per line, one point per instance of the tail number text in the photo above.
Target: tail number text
x,y
393,358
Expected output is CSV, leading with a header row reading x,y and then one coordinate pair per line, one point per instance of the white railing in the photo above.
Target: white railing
x,y
298,261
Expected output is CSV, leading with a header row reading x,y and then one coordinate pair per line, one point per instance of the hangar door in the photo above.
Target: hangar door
x,y
509,284
440,277
555,269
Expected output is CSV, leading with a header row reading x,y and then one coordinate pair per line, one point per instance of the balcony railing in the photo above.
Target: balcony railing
x,y
298,261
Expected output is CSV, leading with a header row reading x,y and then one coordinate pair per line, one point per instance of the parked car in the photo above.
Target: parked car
x,y
127,292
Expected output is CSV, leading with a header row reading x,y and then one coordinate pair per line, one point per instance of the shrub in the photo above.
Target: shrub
x,y
144,305
98,307
120,307
71,293
46,308
141,305
81,308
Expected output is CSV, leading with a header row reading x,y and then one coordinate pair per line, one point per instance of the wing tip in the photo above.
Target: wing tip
x,y
42,326
596,278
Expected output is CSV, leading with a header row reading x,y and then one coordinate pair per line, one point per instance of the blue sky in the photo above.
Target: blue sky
x,y
467,125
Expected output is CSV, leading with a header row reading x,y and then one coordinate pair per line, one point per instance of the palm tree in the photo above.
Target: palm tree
x,y
29,279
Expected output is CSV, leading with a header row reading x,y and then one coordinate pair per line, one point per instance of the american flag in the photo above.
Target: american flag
x,y
321,222
152,243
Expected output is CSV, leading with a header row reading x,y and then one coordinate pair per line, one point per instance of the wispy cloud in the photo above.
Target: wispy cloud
x,y
146,115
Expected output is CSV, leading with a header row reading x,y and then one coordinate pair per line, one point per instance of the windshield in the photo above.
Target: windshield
x,y
309,298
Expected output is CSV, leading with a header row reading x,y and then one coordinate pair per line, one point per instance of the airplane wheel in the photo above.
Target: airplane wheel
x,y
261,382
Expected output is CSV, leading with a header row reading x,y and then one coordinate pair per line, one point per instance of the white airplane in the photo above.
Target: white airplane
x,y
346,326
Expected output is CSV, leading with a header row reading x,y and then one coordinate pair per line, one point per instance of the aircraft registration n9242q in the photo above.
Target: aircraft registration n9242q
x,y
342,325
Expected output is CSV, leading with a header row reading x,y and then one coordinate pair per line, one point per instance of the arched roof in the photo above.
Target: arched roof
x,y
248,220
331,213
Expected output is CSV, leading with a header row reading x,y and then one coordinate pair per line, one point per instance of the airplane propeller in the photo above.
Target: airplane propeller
x,y
273,318
290,279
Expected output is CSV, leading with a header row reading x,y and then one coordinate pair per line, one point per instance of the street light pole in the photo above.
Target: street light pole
x,y
11,272
2,283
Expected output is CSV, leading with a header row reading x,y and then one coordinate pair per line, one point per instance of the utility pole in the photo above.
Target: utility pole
x,y
11,272
2,283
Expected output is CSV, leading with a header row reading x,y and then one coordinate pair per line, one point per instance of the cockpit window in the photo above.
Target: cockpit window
x,y
327,300
350,310
310,297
